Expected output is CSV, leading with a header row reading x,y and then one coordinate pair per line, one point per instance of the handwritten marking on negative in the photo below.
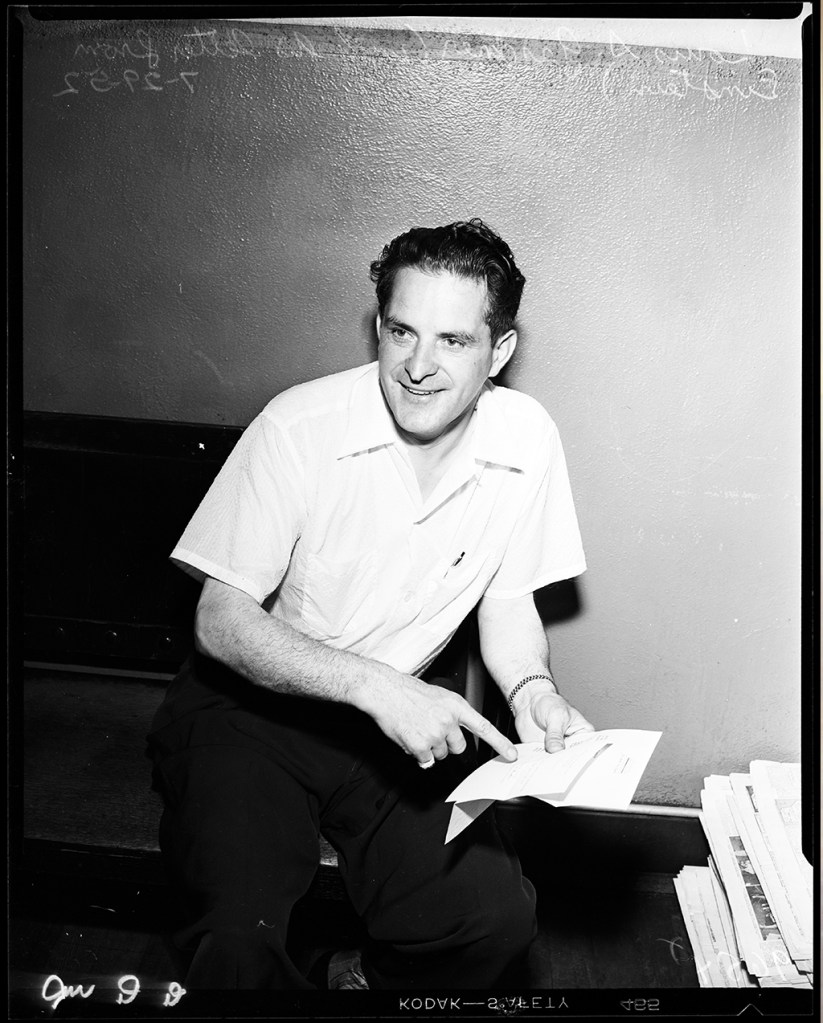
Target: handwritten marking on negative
x,y
715,76
142,81
140,47
128,987
191,45
765,87
210,43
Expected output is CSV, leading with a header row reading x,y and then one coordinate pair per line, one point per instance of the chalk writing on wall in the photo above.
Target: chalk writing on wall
x,y
153,65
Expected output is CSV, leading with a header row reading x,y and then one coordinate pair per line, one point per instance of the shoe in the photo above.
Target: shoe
x,y
345,973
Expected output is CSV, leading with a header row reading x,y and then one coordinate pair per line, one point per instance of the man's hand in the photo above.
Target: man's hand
x,y
425,720
514,647
548,718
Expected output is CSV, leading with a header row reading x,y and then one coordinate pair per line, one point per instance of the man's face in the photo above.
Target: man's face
x,y
436,352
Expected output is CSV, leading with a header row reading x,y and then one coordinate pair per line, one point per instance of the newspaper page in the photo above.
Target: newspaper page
x,y
698,939
705,930
741,977
761,944
777,789
792,911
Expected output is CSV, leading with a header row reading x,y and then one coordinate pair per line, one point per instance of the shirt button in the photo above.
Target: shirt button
x,y
408,597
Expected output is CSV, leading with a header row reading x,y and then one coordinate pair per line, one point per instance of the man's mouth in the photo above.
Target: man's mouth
x,y
417,392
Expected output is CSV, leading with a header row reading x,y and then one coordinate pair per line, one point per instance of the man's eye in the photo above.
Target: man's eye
x,y
454,342
398,333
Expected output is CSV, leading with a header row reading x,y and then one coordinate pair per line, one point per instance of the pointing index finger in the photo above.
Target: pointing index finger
x,y
486,731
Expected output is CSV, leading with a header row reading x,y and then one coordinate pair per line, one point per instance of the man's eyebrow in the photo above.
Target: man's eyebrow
x,y
460,335
394,322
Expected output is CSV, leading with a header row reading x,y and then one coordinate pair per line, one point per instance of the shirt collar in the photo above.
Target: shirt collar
x,y
494,440
370,425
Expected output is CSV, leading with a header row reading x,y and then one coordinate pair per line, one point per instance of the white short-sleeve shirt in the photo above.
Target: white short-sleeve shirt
x,y
317,515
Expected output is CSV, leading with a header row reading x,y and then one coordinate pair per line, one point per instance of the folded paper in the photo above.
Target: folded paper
x,y
596,769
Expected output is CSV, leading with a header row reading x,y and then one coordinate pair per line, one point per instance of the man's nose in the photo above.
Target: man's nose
x,y
421,361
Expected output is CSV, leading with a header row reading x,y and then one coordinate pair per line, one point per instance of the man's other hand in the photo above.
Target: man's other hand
x,y
549,718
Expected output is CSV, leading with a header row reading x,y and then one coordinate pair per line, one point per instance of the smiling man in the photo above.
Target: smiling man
x,y
431,373
359,520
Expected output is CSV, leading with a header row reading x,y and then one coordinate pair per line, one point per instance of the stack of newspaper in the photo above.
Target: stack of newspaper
x,y
749,913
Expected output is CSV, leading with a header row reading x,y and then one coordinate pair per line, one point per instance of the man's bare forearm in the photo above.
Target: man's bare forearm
x,y
513,645
231,627
424,720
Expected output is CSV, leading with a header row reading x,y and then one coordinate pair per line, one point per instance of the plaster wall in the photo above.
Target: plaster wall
x,y
189,259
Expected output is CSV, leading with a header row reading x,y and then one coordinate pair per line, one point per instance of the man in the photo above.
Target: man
x,y
359,520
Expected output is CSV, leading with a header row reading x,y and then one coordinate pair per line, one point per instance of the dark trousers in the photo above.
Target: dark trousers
x,y
250,777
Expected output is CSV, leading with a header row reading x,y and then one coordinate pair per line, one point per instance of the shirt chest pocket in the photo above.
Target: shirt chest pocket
x,y
339,595
463,584
472,569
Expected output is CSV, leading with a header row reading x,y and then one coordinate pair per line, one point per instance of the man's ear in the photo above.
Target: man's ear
x,y
502,350
377,323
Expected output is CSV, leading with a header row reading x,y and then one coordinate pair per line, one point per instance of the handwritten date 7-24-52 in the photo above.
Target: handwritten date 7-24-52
x,y
134,81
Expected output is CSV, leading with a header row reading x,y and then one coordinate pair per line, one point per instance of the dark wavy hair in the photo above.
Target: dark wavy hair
x,y
467,249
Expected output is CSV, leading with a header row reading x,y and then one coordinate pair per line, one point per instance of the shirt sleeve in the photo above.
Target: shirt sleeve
x,y
545,544
246,526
